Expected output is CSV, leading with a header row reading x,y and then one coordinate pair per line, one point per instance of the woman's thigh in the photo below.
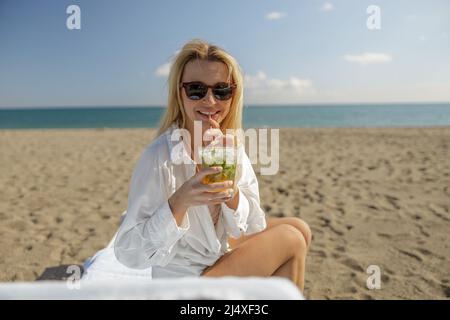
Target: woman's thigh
x,y
298,223
261,255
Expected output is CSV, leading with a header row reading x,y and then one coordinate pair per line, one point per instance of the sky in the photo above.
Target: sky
x,y
290,51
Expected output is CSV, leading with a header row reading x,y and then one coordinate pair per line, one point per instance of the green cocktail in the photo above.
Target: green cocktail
x,y
224,157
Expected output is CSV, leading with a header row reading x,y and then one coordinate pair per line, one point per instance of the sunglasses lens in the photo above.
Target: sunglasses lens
x,y
196,91
223,91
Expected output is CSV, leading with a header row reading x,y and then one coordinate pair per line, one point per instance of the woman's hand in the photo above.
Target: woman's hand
x,y
194,193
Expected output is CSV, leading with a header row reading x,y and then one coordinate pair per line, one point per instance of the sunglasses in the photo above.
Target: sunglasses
x,y
197,90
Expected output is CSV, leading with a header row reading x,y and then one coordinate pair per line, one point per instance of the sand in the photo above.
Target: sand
x,y
371,196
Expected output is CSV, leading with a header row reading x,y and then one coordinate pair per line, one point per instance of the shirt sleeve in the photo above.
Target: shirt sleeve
x,y
149,231
248,218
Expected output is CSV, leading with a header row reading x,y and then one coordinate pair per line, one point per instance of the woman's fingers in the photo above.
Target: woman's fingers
x,y
206,171
213,123
220,195
216,186
219,200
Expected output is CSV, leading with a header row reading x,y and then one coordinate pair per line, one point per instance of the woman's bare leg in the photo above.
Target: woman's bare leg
x,y
264,254
288,270
298,223
294,269
300,262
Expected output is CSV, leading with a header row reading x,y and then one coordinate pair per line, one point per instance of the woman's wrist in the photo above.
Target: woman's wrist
x,y
234,201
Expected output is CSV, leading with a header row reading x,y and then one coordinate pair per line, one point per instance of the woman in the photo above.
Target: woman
x,y
178,226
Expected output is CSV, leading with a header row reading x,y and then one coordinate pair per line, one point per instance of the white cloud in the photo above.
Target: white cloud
x,y
255,81
262,81
163,70
327,6
368,58
275,15
260,88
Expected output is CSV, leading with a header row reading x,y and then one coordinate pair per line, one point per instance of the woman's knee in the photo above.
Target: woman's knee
x,y
293,239
301,226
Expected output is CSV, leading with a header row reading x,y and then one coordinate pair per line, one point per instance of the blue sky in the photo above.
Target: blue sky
x,y
291,51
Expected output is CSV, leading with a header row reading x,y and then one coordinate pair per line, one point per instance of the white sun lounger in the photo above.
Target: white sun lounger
x,y
181,288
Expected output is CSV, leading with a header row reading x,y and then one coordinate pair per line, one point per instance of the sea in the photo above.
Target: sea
x,y
304,116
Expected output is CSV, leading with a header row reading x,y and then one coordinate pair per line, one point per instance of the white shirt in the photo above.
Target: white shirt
x,y
149,236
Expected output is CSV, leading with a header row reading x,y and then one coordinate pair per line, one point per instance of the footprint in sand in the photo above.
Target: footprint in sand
x,y
325,221
439,211
392,201
447,191
424,251
278,214
352,264
353,289
282,191
446,290
319,196
384,235
373,207
336,256
411,255
422,231
318,253
429,254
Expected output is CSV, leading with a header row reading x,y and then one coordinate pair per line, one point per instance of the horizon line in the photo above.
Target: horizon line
x,y
62,107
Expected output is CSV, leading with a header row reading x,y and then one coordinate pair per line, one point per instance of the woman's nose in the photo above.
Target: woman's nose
x,y
209,98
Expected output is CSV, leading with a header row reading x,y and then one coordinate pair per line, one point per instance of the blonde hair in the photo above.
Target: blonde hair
x,y
202,50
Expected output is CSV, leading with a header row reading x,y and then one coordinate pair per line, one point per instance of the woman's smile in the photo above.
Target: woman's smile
x,y
205,114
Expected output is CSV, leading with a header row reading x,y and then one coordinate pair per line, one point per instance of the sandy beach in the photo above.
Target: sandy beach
x,y
378,196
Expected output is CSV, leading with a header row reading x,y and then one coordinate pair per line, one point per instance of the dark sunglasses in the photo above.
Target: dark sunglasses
x,y
197,90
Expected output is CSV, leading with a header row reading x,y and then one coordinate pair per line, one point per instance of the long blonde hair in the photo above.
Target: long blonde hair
x,y
199,49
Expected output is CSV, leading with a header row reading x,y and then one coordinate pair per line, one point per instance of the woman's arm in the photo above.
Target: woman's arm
x,y
155,220
178,209
149,231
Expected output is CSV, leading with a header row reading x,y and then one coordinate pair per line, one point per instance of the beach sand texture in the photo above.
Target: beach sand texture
x,y
378,196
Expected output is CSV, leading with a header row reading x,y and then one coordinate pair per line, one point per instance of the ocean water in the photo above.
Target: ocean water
x,y
382,115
